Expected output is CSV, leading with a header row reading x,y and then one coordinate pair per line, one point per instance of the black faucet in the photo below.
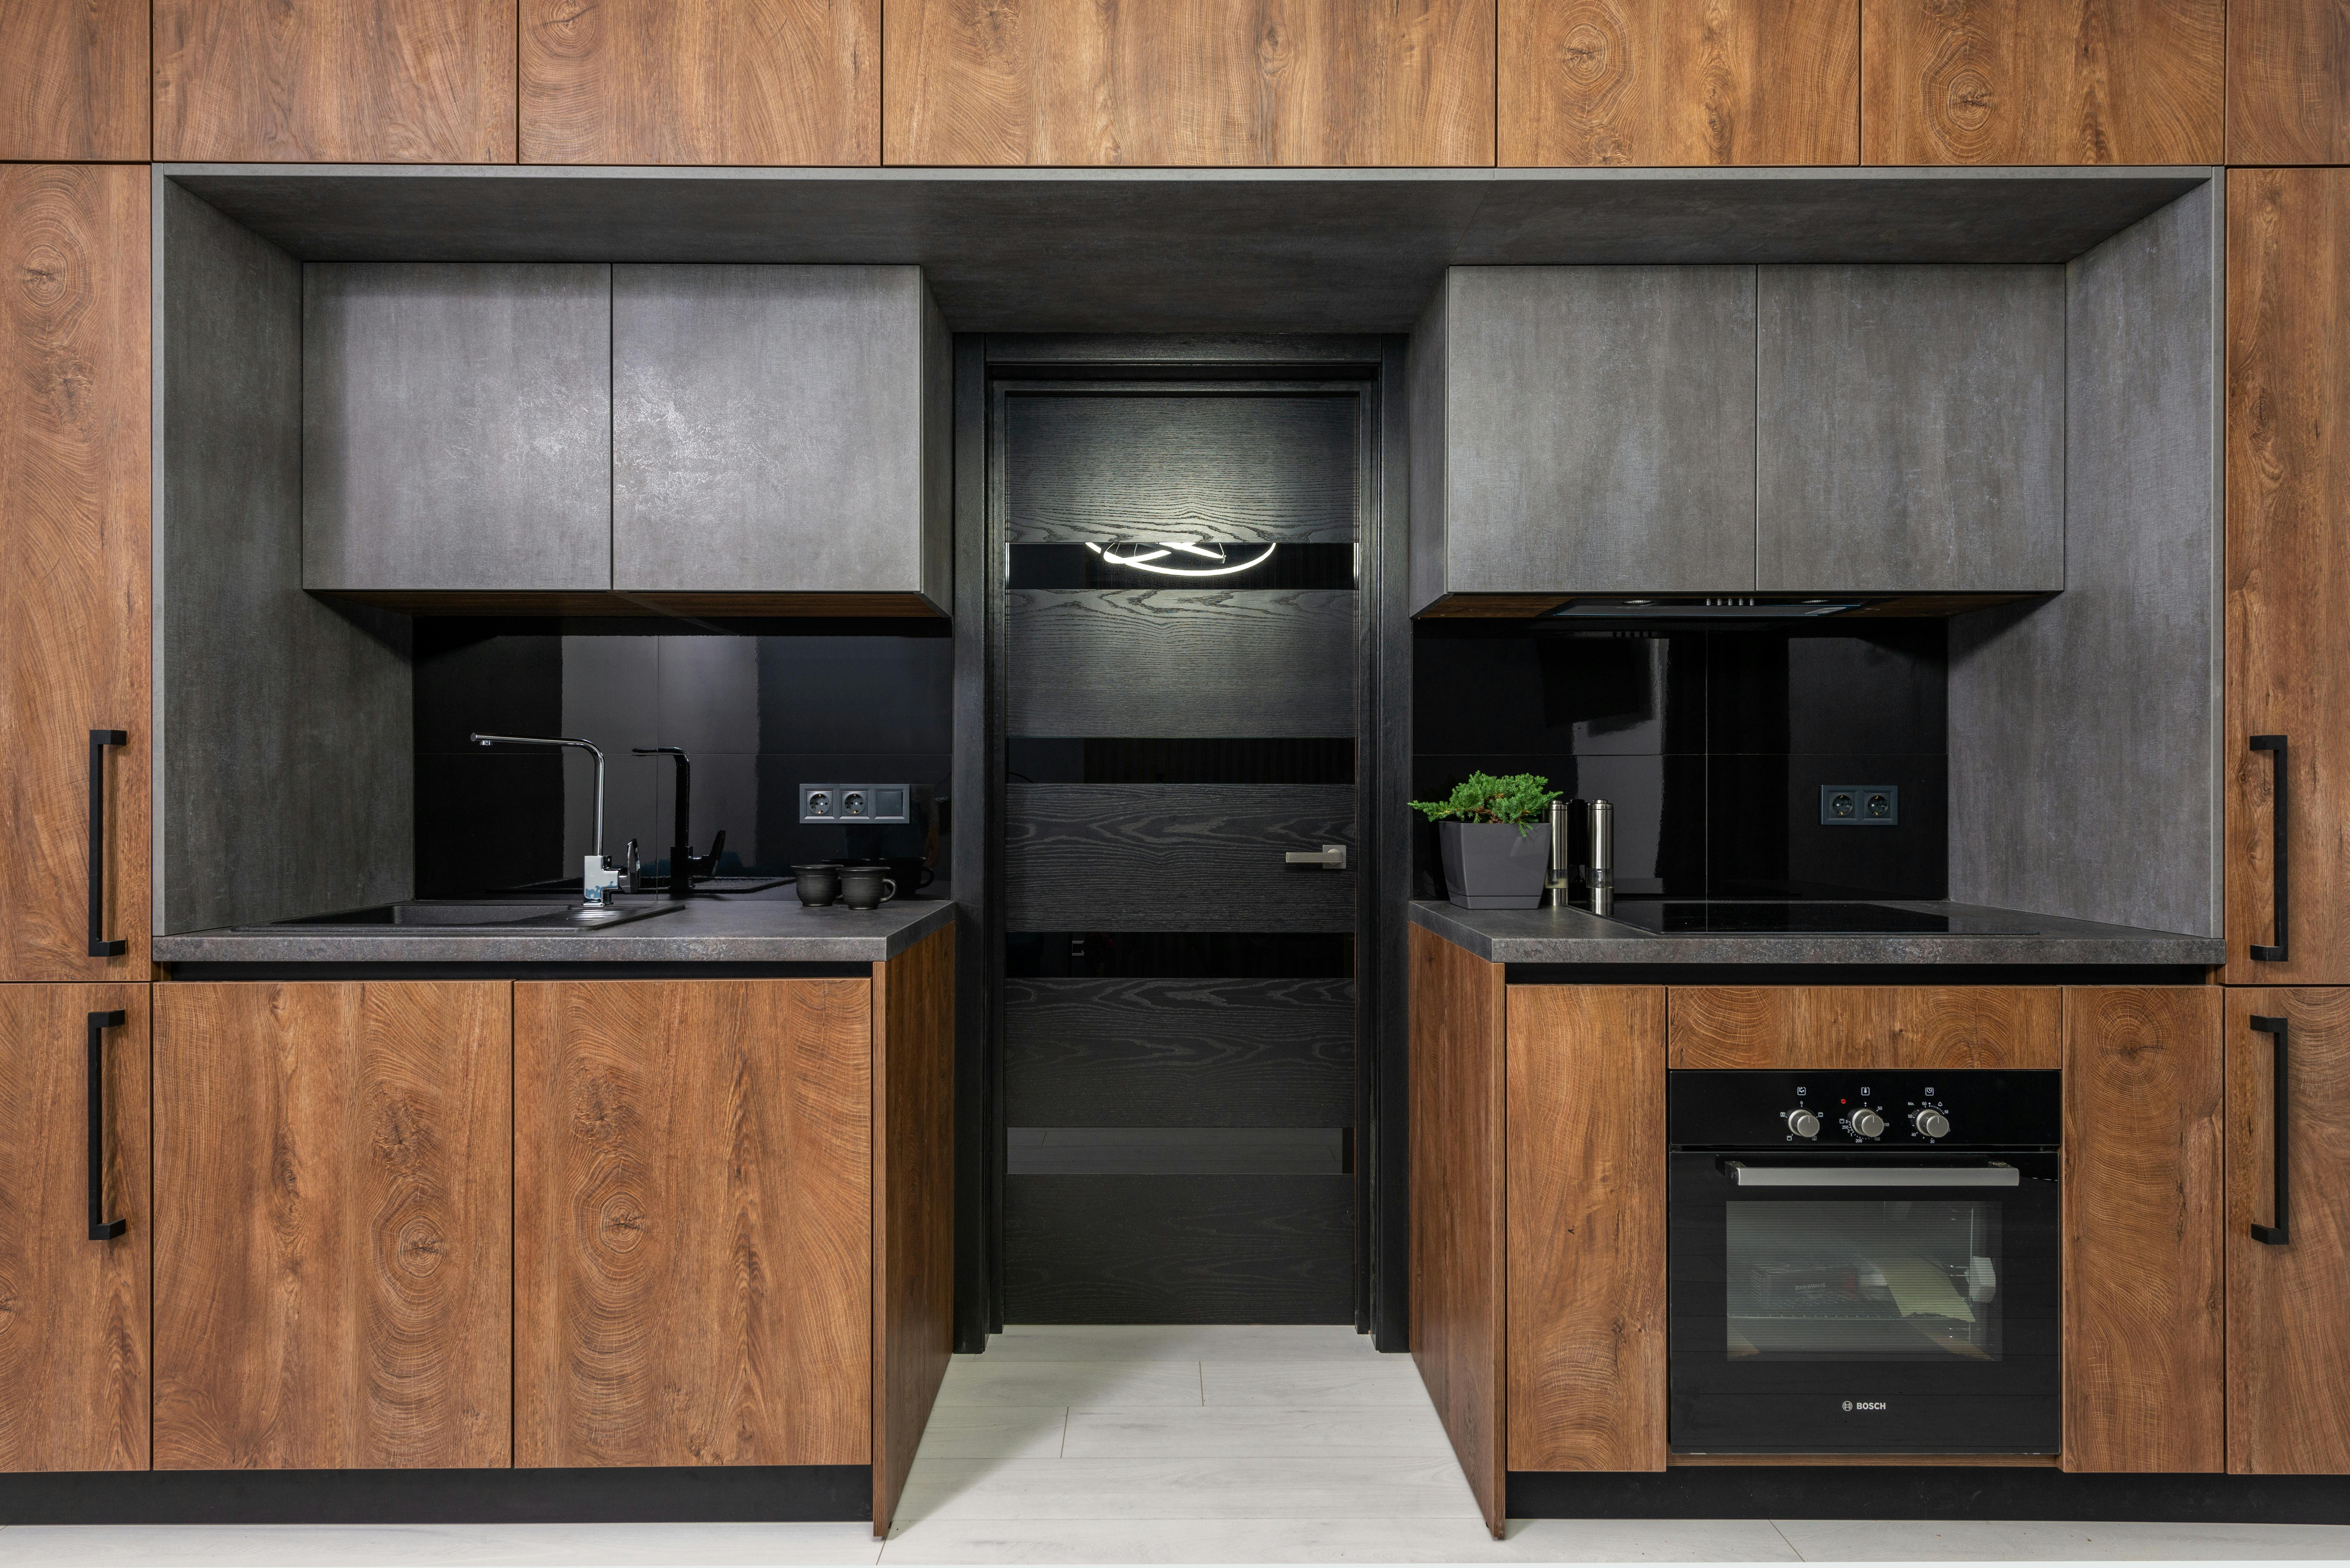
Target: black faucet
x,y
684,865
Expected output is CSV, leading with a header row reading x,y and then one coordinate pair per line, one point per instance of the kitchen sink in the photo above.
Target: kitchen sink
x,y
522,916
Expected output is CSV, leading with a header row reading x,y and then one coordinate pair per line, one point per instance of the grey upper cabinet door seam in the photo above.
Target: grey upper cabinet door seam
x,y
1911,428
456,426
781,430
1594,430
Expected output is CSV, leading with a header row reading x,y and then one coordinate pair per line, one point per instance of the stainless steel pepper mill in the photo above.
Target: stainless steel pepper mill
x,y
1558,883
1600,875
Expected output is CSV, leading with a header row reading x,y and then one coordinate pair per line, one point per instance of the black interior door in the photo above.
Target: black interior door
x,y
1178,576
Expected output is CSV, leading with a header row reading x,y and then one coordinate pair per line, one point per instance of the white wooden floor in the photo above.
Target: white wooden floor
x,y
1173,1445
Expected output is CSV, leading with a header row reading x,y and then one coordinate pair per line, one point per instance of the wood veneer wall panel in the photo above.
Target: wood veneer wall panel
x,y
1628,82
74,1312
2143,1285
700,82
1586,1228
1458,1276
913,1204
2288,565
335,81
73,80
2288,1338
1817,1027
74,563
2040,81
2288,81
1189,82
694,1214
333,1240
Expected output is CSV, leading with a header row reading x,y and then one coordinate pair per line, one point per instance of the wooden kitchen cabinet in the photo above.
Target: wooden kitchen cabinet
x,y
2143,1284
1583,429
74,571
2043,81
1820,1028
74,1305
333,1240
781,431
1620,82
700,82
2288,1338
335,81
456,428
73,80
1218,82
1910,429
2288,81
2288,577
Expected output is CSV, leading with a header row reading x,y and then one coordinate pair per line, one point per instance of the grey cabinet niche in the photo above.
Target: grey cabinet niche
x,y
1584,430
1625,429
456,427
781,430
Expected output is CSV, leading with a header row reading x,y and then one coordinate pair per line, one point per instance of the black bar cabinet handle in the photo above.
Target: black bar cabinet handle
x,y
2276,855
101,1229
98,740
2274,1235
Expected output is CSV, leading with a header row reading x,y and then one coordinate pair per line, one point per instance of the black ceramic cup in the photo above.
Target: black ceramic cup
x,y
819,884
866,887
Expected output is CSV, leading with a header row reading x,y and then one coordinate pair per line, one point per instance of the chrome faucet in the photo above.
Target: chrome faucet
x,y
596,877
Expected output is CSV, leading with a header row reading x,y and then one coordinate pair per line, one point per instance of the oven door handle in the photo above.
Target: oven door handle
x,y
1992,1175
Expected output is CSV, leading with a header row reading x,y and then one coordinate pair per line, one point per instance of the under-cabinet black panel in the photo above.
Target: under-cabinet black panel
x,y
1179,1053
1173,857
1179,1249
1181,661
1183,466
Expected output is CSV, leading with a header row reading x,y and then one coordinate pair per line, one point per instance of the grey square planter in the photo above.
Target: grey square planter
x,y
1494,865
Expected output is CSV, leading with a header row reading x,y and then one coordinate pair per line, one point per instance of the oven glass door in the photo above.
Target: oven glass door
x,y
1844,1303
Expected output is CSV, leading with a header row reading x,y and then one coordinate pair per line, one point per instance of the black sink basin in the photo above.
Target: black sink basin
x,y
521,917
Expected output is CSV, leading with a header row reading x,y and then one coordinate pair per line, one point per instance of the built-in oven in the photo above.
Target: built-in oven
x,y
1864,1261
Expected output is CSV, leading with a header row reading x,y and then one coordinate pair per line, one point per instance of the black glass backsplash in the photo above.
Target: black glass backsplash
x,y
759,713
1711,745
1143,564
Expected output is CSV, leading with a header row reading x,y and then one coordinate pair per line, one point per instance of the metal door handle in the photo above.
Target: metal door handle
x,y
1333,856
2274,954
1992,1175
101,1229
2274,1235
98,740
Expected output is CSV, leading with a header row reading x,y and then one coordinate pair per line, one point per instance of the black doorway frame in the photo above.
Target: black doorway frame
x,y
1373,365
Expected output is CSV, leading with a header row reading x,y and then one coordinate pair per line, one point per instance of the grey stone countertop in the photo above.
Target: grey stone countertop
x,y
1977,936
761,928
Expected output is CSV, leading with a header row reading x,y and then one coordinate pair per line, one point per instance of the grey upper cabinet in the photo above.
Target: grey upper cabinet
x,y
781,430
1911,428
456,427
1584,430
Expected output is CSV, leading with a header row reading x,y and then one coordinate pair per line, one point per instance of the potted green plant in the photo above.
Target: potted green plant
x,y
1495,842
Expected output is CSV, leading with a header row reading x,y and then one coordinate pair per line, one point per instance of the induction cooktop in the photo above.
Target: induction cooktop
x,y
1694,917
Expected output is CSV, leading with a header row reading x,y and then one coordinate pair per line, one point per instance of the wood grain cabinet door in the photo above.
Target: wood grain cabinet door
x,y
74,1302
333,1251
2041,81
694,1279
2288,565
702,81
1627,82
335,81
2141,1196
74,573
2288,1240
1209,82
2288,81
73,80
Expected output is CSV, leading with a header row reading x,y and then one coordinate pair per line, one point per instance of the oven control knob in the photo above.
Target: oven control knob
x,y
1865,1122
1931,1123
1803,1123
